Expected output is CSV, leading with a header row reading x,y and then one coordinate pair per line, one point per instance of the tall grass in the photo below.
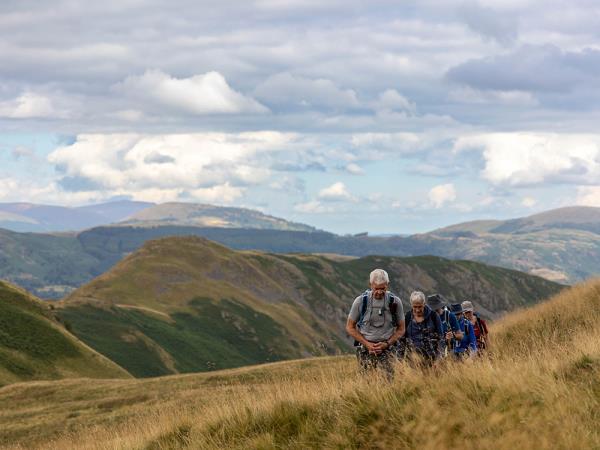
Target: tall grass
x,y
538,388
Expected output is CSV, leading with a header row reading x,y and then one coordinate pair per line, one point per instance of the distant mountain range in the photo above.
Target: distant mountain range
x,y
34,345
561,245
28,217
199,215
185,304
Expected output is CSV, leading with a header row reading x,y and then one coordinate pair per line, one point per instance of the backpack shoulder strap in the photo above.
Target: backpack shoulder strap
x,y
363,307
393,306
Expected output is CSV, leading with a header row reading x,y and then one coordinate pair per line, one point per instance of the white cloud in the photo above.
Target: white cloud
x,y
394,101
521,159
27,106
379,144
529,202
208,93
466,94
287,89
588,196
204,166
354,169
335,193
442,194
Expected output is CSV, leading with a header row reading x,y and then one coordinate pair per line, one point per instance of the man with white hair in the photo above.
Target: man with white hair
x,y
376,322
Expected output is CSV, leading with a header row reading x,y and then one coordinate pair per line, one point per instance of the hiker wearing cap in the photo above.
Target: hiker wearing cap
x,y
450,328
423,329
479,326
376,322
467,346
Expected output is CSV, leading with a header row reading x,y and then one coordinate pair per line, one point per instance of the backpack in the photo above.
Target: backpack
x,y
481,341
393,307
431,326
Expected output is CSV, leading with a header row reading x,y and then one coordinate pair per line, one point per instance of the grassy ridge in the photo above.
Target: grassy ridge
x,y
185,304
539,389
34,346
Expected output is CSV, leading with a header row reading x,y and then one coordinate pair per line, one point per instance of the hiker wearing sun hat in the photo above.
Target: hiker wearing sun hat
x,y
467,346
479,325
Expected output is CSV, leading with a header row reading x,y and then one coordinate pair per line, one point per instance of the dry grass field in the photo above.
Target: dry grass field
x,y
539,388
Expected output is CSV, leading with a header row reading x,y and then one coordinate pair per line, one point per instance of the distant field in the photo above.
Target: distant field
x,y
539,389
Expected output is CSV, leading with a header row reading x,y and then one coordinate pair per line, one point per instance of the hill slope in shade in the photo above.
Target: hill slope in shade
x,y
540,390
194,214
188,304
34,346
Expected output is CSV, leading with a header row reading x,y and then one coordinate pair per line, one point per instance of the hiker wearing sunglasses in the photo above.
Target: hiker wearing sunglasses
x,y
376,322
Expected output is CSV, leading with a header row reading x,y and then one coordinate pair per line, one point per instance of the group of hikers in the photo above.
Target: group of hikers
x,y
432,330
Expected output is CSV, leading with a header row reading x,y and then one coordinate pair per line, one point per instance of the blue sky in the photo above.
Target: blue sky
x,y
387,117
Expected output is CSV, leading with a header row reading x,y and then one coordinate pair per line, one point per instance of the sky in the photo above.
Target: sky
x,y
351,116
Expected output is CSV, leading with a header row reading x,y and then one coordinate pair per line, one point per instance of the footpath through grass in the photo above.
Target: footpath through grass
x,y
539,389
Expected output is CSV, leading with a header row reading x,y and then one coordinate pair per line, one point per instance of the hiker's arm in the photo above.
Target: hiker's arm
x,y
400,329
353,332
458,333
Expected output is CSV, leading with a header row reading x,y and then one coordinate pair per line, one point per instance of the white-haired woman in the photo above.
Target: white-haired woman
x,y
423,329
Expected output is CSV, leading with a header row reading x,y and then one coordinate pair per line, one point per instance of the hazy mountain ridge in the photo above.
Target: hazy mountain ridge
x,y
177,303
202,215
29,217
561,249
34,345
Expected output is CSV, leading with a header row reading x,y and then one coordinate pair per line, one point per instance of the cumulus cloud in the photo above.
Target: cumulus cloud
x,y
522,159
392,100
335,193
354,169
27,106
207,93
293,90
150,167
442,194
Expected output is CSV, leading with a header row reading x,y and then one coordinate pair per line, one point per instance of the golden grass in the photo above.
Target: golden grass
x,y
538,389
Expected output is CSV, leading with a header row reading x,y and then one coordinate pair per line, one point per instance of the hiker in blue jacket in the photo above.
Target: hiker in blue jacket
x,y
467,346
376,322
423,330
451,331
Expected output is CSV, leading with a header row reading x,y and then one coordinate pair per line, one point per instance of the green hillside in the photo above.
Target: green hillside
x,y
539,389
187,304
34,346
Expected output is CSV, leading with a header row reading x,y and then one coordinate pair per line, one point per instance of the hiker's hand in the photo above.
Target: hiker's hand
x,y
374,347
380,346
449,335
